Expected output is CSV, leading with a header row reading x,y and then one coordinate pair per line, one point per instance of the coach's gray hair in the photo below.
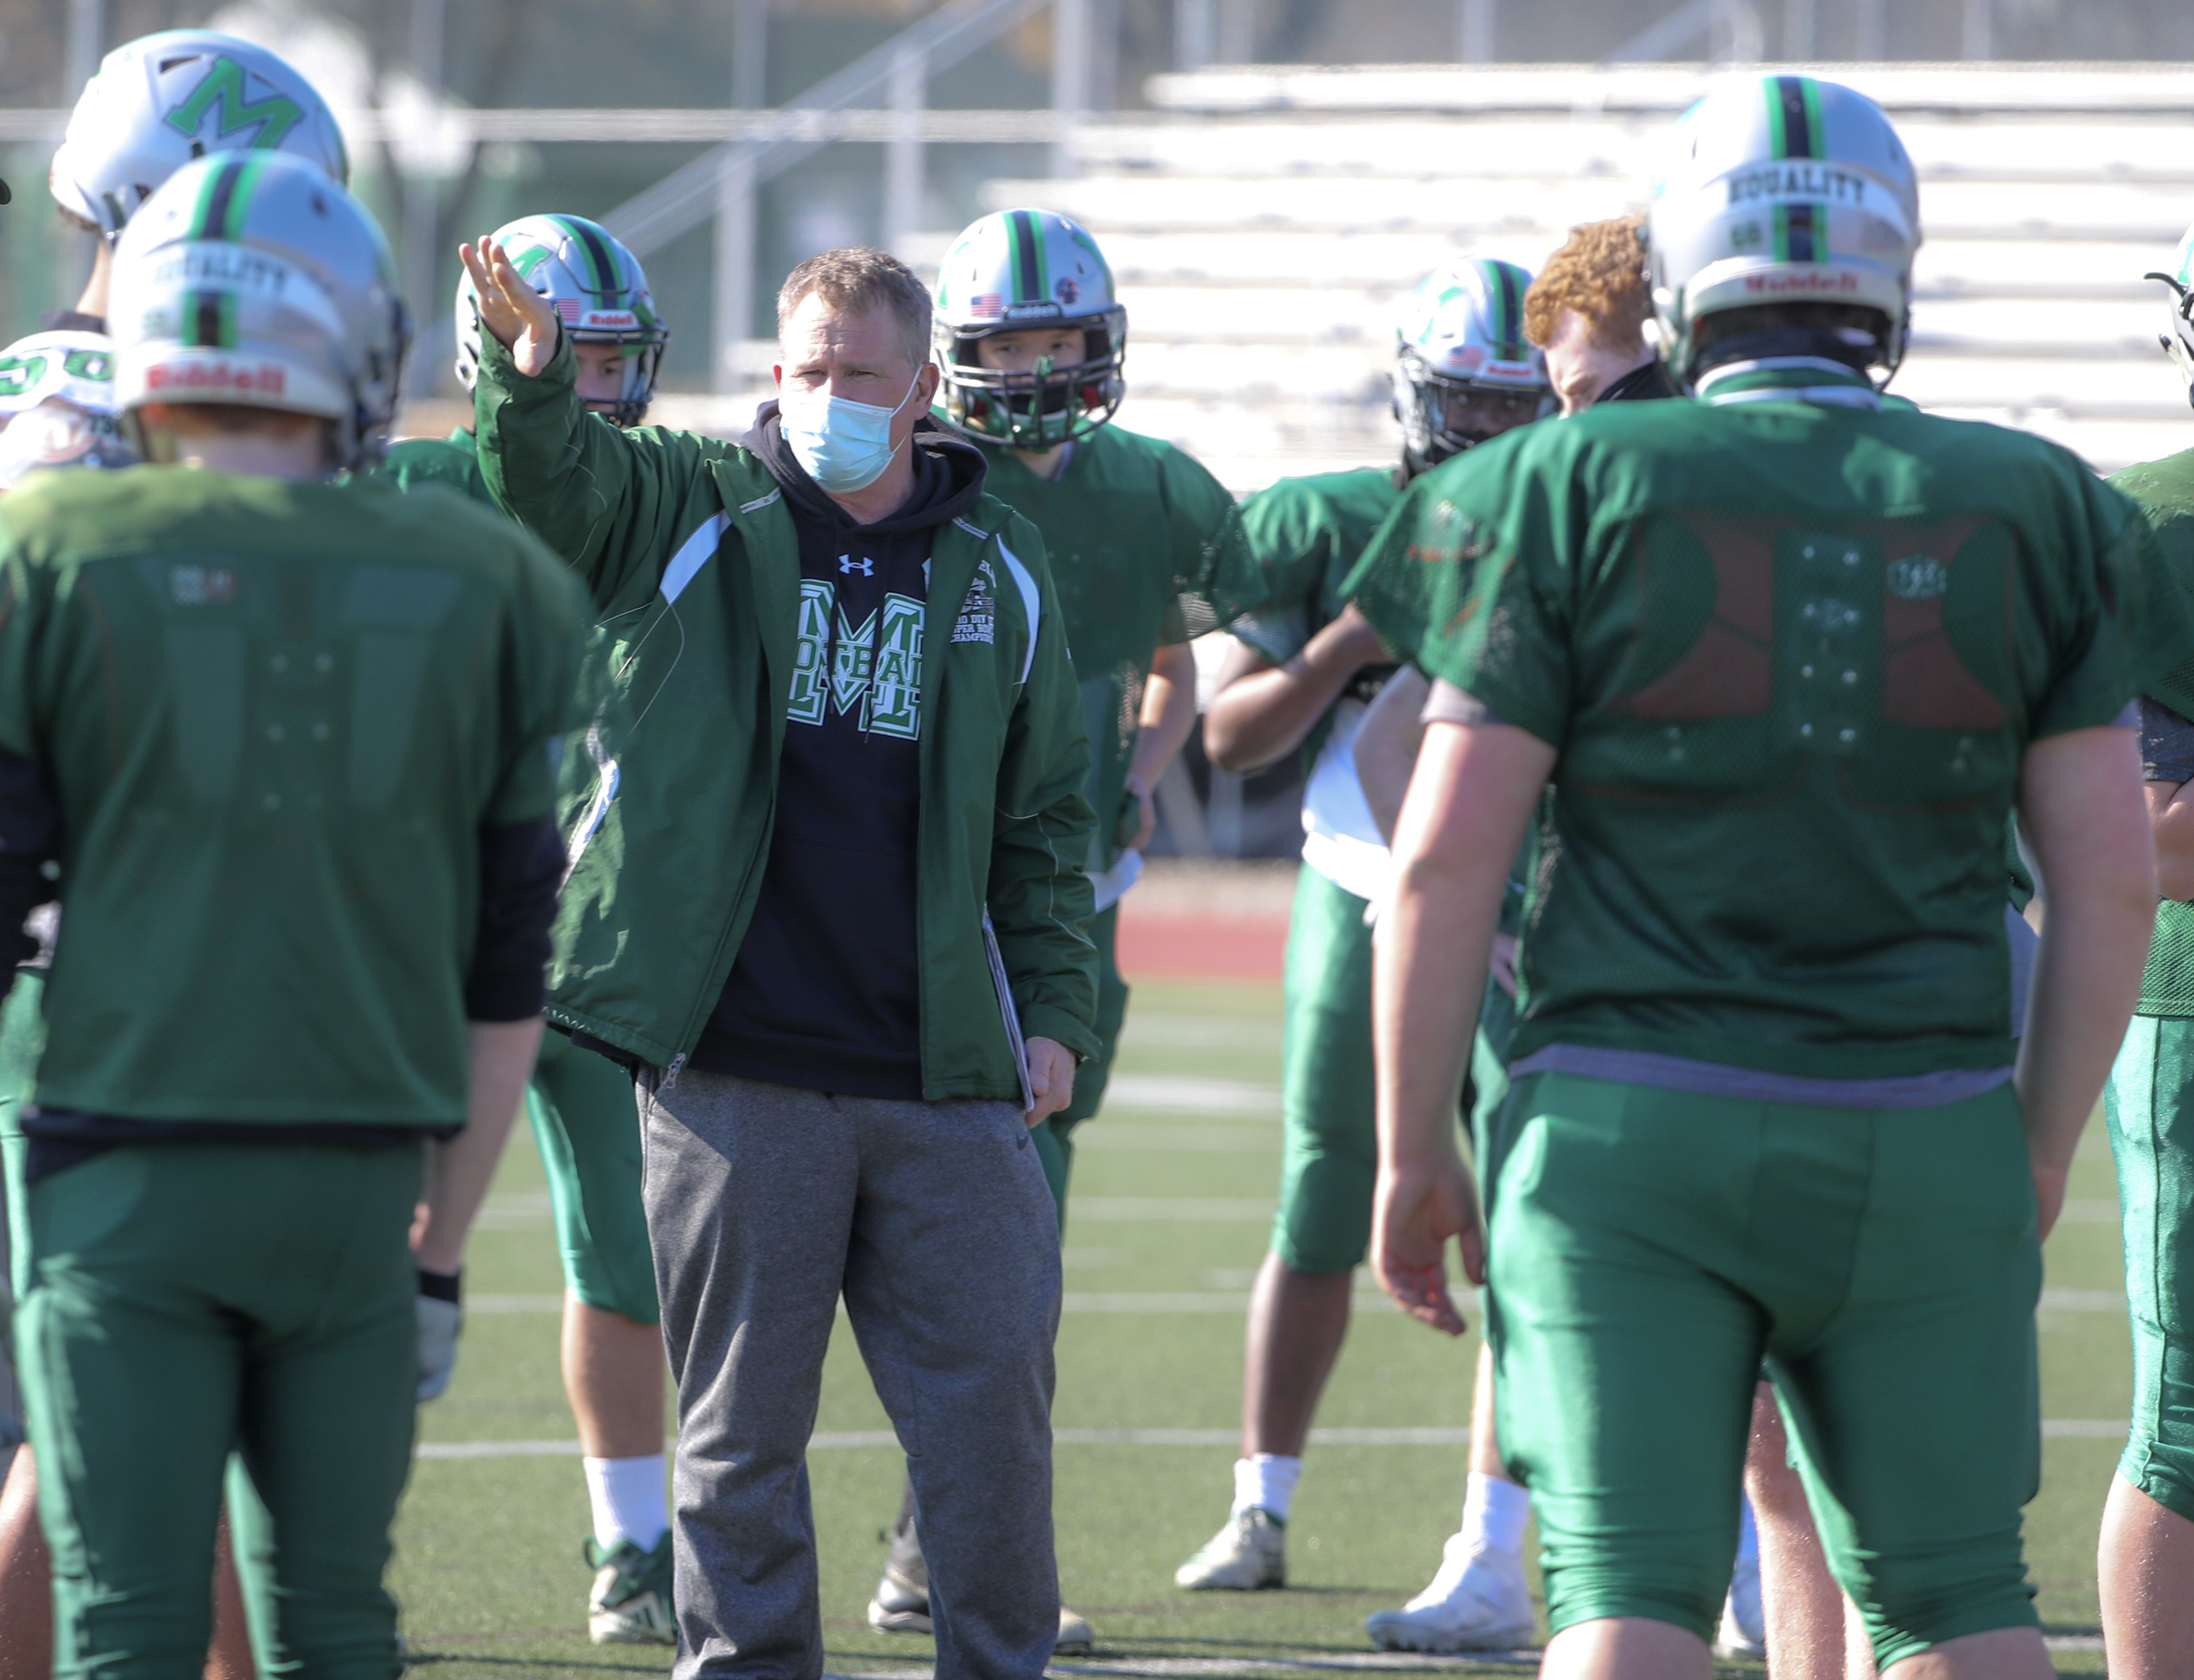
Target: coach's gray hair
x,y
855,279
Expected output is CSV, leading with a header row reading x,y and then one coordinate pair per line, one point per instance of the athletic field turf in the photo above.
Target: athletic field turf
x,y
1172,1193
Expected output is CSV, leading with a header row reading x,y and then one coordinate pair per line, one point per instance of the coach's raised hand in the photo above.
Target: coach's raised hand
x,y
521,319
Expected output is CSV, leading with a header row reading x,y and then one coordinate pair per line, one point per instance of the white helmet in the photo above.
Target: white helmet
x,y
251,277
71,367
1464,370
600,292
2179,340
1783,189
57,405
163,100
1013,270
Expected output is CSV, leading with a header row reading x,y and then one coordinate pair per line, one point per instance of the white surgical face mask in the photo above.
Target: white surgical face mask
x,y
844,445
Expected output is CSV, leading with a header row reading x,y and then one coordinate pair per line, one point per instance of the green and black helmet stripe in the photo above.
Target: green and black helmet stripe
x,y
1031,270
601,266
1801,234
210,319
1794,115
224,197
1505,284
209,316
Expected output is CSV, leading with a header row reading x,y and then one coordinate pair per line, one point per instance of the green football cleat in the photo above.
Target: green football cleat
x,y
630,1603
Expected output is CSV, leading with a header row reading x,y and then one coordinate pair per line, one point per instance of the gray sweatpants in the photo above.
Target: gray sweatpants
x,y
764,1204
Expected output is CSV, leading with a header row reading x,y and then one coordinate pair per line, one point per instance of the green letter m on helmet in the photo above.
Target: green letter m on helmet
x,y
224,86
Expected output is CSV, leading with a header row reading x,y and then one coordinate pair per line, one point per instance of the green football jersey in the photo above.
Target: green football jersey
x,y
1791,653
452,461
275,717
2165,490
1307,534
1146,550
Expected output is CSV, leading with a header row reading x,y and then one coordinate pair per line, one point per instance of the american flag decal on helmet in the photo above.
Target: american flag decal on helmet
x,y
989,305
568,311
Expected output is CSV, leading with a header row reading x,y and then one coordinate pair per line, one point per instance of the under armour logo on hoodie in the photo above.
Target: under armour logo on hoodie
x,y
847,566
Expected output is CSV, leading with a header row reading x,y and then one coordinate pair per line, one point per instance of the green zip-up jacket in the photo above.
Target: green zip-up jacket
x,y
690,554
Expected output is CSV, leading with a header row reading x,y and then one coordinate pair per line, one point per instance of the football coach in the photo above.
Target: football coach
x,y
825,899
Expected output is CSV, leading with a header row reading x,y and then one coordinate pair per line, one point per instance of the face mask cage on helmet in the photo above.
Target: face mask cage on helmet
x,y
362,443
1046,405
2178,342
643,366
58,433
1427,401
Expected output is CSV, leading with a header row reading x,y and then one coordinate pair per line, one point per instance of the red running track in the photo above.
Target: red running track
x,y
1170,945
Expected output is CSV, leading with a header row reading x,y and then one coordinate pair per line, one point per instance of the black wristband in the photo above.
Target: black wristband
x,y
440,1286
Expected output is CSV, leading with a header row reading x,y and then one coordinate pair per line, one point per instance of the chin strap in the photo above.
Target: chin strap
x,y
1767,344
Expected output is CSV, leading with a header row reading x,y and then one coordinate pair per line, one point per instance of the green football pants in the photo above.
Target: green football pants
x,y
588,1130
2149,1106
1330,1147
1649,1246
1054,1138
1330,1144
22,1041
187,1299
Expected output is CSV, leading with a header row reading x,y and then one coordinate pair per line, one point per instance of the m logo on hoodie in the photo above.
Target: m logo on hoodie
x,y
870,672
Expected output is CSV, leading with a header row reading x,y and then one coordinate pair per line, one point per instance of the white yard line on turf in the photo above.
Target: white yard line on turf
x,y
1171,1138
1232,1300
1186,1667
2084,1300
1190,1092
1392,1662
1436,1435
1404,1662
1199,1210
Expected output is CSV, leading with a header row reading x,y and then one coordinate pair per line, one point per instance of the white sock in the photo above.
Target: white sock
x,y
629,1501
1493,1515
1747,1535
1265,1480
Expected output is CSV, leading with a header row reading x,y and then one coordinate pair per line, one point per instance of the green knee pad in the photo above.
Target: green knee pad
x,y
587,1131
1648,1246
1330,1146
2149,1108
1091,1078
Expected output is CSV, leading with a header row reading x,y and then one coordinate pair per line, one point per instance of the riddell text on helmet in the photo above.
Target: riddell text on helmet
x,y
266,378
1800,280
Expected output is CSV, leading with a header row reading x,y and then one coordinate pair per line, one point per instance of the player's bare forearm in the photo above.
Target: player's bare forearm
x,y
1473,793
1262,711
1167,715
501,1061
1387,745
2082,809
2171,822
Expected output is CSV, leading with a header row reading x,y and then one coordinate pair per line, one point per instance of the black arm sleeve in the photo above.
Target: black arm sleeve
x,y
29,835
2167,744
521,864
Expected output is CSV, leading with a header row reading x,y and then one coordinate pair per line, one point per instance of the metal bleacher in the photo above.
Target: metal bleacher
x,y
1266,222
